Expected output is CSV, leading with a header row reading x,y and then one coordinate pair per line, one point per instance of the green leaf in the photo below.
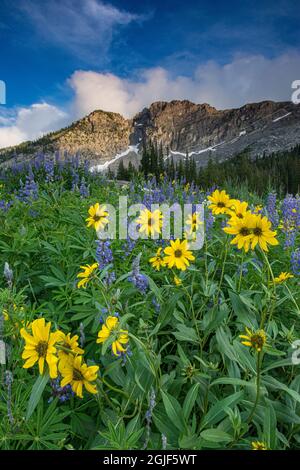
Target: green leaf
x,y
273,352
245,359
173,410
217,411
190,399
274,383
232,381
165,426
36,393
243,308
216,435
153,287
270,423
224,345
186,334
274,365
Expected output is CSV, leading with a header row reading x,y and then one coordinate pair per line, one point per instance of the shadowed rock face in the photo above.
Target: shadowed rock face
x,y
183,126
180,126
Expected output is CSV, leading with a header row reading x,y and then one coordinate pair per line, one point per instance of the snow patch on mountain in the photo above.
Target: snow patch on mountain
x,y
281,117
104,166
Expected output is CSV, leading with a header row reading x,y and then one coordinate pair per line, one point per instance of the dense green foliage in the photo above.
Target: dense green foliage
x,y
188,367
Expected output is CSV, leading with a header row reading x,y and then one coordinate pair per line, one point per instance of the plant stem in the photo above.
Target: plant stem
x,y
223,268
241,273
114,389
258,371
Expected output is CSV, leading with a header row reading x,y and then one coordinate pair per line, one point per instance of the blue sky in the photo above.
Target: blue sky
x,y
63,58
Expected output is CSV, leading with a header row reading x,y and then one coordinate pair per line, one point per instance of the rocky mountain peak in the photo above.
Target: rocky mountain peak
x,y
180,126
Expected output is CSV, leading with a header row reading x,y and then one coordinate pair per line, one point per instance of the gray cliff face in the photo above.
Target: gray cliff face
x,y
202,130
180,126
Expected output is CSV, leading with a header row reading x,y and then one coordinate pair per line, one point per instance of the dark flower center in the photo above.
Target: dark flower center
x,y
244,232
258,232
178,254
77,375
150,221
221,204
257,341
239,215
41,348
97,218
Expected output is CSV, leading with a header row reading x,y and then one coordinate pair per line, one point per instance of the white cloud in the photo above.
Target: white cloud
x,y
31,123
84,27
246,79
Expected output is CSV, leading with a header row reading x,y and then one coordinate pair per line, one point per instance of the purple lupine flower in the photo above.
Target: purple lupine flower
x,y
211,190
49,170
243,269
140,281
29,190
75,161
156,304
84,188
148,416
290,219
170,191
223,223
104,312
75,179
290,237
152,403
110,278
272,210
8,381
57,158
128,246
8,274
86,167
295,262
124,355
208,224
33,214
4,205
104,256
257,262
62,393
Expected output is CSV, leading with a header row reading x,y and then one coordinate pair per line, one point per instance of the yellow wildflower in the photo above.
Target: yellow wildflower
x,y
258,445
262,233
241,228
78,374
220,202
254,339
86,275
68,346
194,222
178,255
157,261
98,217
239,209
150,222
283,277
40,347
177,281
110,328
